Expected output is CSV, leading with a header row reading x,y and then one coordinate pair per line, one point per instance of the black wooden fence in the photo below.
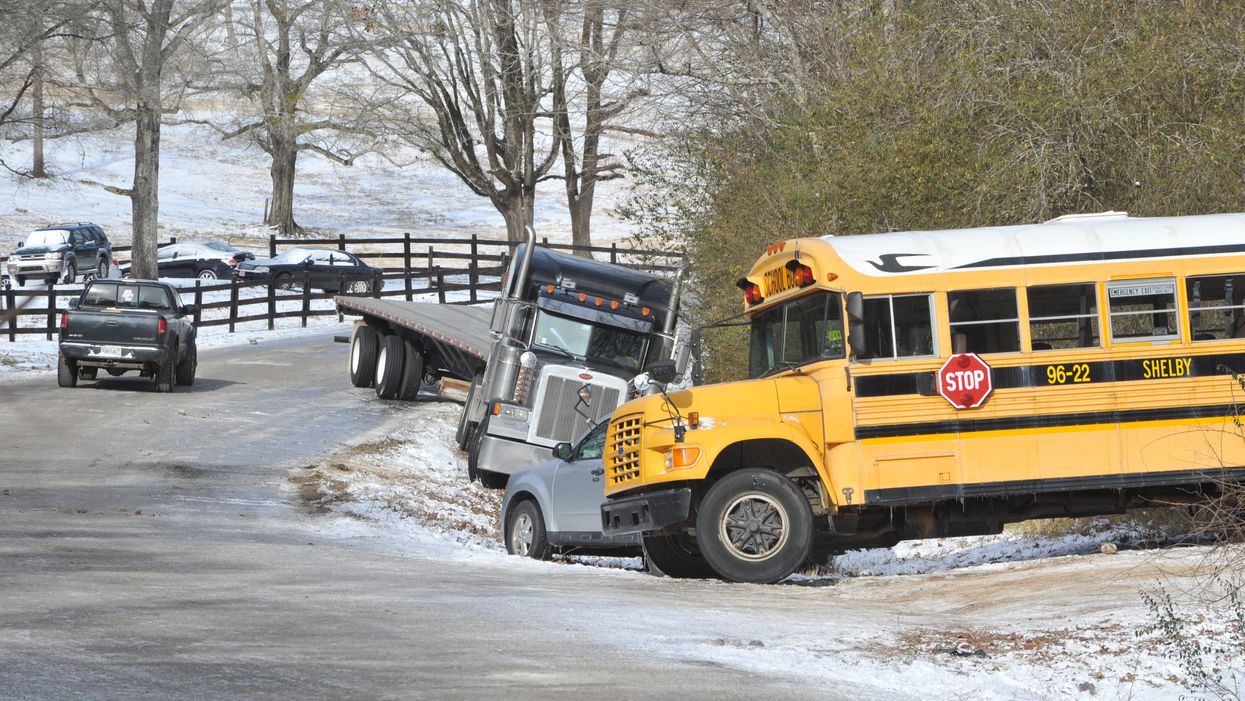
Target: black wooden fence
x,y
412,266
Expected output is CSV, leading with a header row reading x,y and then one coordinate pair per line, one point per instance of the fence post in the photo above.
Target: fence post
x,y
613,253
440,286
10,305
406,264
272,245
51,309
272,304
198,302
306,295
430,280
341,242
473,270
233,302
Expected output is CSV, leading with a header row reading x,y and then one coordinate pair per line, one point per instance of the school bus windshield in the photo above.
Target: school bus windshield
x,y
797,332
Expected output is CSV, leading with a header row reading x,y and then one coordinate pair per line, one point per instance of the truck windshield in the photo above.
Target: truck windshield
x,y
590,342
797,332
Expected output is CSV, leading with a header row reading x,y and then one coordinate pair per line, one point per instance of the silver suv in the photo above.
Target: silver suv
x,y
61,252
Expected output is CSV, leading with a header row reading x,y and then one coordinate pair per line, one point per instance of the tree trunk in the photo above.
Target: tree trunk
x,y
581,217
38,168
284,164
516,208
144,195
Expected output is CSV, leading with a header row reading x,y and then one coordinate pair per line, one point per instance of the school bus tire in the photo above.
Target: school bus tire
x,y
754,525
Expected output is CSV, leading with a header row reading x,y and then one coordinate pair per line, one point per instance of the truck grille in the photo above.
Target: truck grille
x,y
622,449
559,421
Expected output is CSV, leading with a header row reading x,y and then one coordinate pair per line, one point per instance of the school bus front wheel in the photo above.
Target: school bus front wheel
x,y
754,525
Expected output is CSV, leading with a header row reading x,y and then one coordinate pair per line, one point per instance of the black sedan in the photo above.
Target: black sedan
x,y
325,269
207,260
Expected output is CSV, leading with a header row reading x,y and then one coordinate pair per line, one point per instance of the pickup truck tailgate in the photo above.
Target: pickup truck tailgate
x,y
112,327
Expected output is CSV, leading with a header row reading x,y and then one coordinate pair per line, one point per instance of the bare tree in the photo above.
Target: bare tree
x,y
479,71
126,78
285,48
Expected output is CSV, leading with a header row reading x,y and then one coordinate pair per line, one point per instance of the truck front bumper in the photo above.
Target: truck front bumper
x,y
103,355
29,268
646,512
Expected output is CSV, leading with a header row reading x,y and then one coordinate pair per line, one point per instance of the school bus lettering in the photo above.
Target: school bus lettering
x,y
1075,373
880,407
1165,367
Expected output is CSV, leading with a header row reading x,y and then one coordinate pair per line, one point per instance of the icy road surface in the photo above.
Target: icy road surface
x,y
178,545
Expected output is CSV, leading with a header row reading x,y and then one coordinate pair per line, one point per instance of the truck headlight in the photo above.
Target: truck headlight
x,y
517,413
54,256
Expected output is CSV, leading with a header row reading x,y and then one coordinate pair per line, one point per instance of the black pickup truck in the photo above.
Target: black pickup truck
x,y
124,325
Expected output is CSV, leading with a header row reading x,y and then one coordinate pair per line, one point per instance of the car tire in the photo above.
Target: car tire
x,y
187,367
677,556
463,434
284,281
525,531
20,280
207,274
412,372
363,356
71,273
389,366
66,372
754,525
359,287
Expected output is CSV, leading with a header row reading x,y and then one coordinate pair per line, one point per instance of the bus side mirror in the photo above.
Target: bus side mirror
x,y
856,324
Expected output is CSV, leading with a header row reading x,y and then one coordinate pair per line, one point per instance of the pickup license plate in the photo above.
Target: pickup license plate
x,y
110,350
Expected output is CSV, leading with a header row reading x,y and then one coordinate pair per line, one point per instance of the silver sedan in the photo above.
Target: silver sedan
x,y
556,505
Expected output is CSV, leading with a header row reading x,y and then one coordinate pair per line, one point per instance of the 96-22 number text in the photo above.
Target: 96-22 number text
x,y
1068,374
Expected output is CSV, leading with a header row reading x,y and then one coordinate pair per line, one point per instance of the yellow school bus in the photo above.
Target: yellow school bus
x,y
942,383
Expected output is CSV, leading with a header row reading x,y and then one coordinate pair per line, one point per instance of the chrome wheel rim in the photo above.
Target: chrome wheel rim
x,y
354,357
754,527
521,535
380,366
207,275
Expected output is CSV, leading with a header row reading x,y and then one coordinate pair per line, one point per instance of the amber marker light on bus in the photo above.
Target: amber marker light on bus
x,y
693,419
678,458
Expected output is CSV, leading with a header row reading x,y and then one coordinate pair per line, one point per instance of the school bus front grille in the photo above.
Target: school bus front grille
x,y
622,449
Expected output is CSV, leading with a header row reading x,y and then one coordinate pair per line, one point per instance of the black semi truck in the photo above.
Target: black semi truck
x,y
554,355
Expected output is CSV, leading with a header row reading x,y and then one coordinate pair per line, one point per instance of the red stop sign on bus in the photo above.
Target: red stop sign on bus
x,y
965,381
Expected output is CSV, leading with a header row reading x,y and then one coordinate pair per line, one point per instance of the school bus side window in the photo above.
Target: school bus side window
x,y
984,321
1216,307
1063,316
1143,310
898,326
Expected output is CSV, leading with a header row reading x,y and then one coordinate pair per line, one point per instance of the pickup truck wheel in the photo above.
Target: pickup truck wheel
x,y
186,368
525,531
389,366
363,357
66,372
676,556
755,526
412,372
164,376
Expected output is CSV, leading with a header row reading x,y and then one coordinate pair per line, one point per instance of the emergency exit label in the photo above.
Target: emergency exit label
x,y
965,381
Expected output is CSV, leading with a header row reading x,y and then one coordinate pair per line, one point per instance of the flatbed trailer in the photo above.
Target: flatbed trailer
x,y
455,339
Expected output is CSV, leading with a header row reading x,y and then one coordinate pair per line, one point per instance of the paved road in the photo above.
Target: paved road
x,y
151,547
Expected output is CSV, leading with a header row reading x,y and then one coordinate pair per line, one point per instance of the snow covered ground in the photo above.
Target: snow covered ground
x,y
1057,636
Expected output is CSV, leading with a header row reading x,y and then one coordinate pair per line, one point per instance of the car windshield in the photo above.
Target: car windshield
x,y
798,332
590,342
54,237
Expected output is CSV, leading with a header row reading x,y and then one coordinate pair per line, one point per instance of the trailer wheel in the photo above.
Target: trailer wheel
x,y
389,366
465,426
412,372
754,526
363,357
